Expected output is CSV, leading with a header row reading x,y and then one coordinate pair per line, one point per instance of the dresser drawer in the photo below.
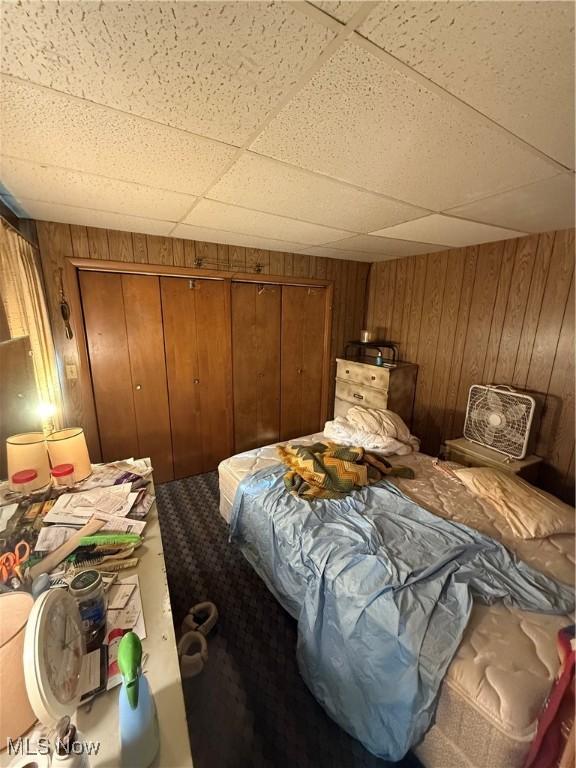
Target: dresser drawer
x,y
362,373
360,395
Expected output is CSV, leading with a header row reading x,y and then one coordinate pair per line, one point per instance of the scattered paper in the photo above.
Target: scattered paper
x,y
119,596
51,537
142,506
118,622
122,524
6,514
105,475
90,672
74,508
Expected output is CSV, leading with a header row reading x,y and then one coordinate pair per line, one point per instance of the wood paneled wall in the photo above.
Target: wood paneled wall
x,y
58,242
496,313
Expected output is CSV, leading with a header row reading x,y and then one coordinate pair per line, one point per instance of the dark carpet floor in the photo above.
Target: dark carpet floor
x,y
249,708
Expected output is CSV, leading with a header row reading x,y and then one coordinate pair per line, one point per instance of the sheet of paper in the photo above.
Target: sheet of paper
x,y
123,524
104,475
90,672
52,536
129,616
6,513
118,622
75,508
119,596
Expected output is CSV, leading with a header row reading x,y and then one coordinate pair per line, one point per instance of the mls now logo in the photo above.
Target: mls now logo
x,y
27,748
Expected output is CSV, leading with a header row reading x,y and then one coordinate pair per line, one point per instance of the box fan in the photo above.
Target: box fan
x,y
500,418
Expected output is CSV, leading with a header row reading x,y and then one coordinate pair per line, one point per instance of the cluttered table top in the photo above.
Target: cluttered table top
x,y
121,498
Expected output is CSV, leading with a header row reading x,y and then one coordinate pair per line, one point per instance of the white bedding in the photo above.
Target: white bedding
x,y
507,661
373,428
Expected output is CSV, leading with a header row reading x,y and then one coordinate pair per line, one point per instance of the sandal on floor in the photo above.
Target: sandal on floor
x,y
201,618
193,653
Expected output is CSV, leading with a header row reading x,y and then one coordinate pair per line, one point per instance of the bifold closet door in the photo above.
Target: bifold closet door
x,y
123,321
198,363
302,372
256,323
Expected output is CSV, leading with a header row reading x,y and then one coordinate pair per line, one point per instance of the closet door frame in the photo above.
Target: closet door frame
x,y
74,266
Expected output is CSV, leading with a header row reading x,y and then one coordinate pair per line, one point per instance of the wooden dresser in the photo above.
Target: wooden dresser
x,y
391,386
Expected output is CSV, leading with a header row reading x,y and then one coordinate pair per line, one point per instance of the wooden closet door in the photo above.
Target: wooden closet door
x,y
303,330
256,322
198,360
123,320
104,319
143,313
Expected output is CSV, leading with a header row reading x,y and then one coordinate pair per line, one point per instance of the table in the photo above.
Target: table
x,y
98,720
474,455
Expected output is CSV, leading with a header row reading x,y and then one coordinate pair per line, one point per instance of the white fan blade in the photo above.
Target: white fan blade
x,y
494,400
489,434
514,436
515,412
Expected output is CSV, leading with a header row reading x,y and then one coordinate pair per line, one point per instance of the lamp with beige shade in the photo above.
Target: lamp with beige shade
x,y
68,446
27,451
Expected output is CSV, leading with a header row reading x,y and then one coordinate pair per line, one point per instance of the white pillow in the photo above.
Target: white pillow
x,y
529,512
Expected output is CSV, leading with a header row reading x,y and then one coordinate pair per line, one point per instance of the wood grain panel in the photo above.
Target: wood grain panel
x,y
198,361
302,335
533,307
428,340
502,294
183,374
507,315
515,308
215,370
104,318
144,330
256,364
98,243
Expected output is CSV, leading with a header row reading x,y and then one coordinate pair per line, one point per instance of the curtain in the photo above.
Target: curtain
x,y
25,313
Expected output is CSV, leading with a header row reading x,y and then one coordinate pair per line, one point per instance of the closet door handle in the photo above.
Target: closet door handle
x,y
299,370
138,387
196,381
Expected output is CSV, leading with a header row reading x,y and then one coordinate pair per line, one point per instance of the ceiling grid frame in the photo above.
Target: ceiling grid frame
x,y
344,32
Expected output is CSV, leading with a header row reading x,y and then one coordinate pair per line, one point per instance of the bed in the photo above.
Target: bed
x,y
503,670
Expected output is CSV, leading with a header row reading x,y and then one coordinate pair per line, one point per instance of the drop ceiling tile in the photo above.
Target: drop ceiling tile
x,y
68,214
361,120
216,69
267,185
385,247
541,207
343,10
49,127
337,253
46,183
209,213
446,230
513,61
209,235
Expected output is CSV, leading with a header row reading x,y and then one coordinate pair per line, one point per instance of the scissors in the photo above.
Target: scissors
x,y
10,562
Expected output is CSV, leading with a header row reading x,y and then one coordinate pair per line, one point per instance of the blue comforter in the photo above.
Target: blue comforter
x,y
382,590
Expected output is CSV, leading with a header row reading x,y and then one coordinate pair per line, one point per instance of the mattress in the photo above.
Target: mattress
x,y
503,670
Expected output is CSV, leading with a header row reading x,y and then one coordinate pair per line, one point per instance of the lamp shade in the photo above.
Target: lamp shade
x,y
68,446
17,715
28,451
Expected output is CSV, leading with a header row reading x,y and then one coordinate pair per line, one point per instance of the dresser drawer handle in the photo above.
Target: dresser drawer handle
x,y
347,371
373,378
358,397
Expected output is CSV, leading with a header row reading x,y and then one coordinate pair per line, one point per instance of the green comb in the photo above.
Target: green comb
x,y
107,539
